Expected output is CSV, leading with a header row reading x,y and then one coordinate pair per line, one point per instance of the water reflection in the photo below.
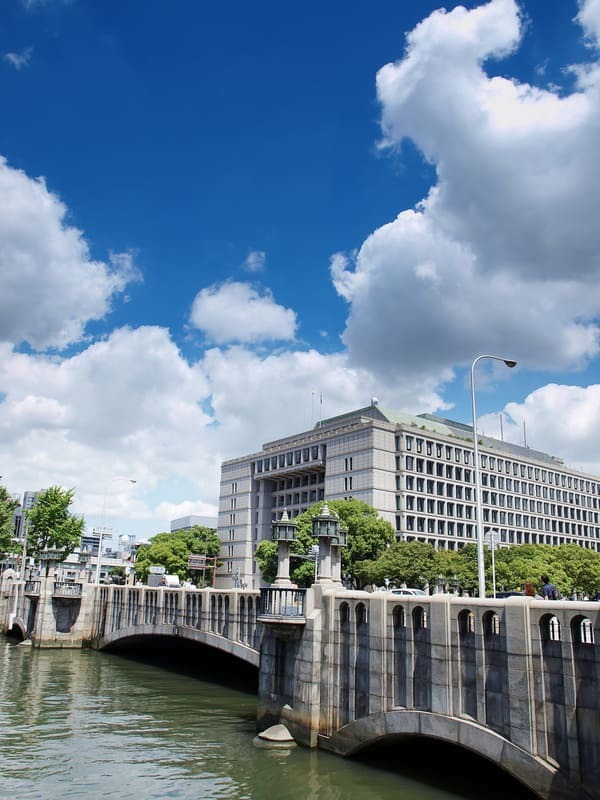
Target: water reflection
x,y
77,724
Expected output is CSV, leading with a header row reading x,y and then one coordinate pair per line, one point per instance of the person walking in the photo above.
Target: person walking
x,y
549,590
530,589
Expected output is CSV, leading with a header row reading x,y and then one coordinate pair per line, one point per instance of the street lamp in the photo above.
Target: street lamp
x,y
478,507
101,533
492,539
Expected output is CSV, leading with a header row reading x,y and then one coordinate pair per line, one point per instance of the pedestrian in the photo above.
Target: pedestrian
x,y
530,589
549,590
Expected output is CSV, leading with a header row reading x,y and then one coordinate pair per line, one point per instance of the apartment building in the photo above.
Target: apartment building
x,y
418,472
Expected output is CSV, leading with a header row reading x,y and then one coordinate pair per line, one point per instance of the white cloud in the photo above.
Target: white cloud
x,y
502,254
589,19
129,405
255,261
236,312
556,419
132,405
19,60
50,287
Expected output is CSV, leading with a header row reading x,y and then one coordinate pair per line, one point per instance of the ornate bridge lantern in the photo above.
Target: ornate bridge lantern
x,y
336,553
284,533
326,527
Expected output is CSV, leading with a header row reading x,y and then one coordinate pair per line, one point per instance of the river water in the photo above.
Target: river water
x,y
83,724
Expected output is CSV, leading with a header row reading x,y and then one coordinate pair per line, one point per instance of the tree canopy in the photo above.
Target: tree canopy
x,y
50,525
172,550
572,568
368,536
7,509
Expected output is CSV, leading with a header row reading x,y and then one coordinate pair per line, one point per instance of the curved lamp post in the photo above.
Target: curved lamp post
x,y
101,533
478,507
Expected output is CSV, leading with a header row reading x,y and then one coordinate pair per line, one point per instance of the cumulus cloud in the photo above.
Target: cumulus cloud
x,y
589,19
50,287
255,261
132,405
237,312
557,419
129,405
502,254
19,60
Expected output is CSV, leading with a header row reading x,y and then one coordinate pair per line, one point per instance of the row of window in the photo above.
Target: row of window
x,y
293,457
497,464
448,472
296,498
438,488
298,481
448,527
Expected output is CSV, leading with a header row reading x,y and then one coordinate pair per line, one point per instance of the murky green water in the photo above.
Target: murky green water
x,y
81,724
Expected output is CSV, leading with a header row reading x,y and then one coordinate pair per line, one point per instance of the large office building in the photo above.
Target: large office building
x,y
418,472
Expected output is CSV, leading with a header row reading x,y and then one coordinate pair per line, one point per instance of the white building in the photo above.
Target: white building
x,y
184,523
418,472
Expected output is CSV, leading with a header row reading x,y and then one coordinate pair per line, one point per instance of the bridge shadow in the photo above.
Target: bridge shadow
x,y
443,766
189,658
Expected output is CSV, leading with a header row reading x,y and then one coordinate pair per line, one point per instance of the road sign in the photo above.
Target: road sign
x,y
196,562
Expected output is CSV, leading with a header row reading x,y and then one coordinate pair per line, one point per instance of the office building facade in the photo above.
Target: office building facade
x,y
418,473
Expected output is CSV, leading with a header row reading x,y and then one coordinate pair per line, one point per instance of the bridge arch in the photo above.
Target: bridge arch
x,y
214,640
18,629
537,775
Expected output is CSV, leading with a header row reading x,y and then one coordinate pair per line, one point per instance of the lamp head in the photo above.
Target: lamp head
x,y
510,364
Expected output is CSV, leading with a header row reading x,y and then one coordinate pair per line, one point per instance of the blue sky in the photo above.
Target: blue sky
x,y
247,208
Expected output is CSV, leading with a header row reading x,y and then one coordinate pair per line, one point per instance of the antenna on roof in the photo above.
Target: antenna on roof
x,y
524,435
501,428
374,401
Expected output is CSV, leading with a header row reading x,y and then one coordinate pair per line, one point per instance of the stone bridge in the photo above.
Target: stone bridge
x,y
516,681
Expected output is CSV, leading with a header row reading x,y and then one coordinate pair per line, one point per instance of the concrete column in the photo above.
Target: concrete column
x,y
283,564
441,650
324,560
336,564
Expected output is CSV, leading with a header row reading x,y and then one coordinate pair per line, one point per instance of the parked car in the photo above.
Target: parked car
x,y
409,591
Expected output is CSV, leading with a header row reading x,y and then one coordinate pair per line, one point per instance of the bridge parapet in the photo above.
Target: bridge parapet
x,y
226,620
524,672
285,605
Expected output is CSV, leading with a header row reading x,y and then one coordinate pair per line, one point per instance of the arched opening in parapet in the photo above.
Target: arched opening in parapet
x,y
555,720
468,666
344,659
399,628
549,628
496,689
190,658
421,677
361,665
443,766
582,630
586,663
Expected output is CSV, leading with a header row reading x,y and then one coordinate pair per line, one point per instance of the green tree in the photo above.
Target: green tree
x,y
7,509
412,563
368,536
172,550
50,525
580,568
